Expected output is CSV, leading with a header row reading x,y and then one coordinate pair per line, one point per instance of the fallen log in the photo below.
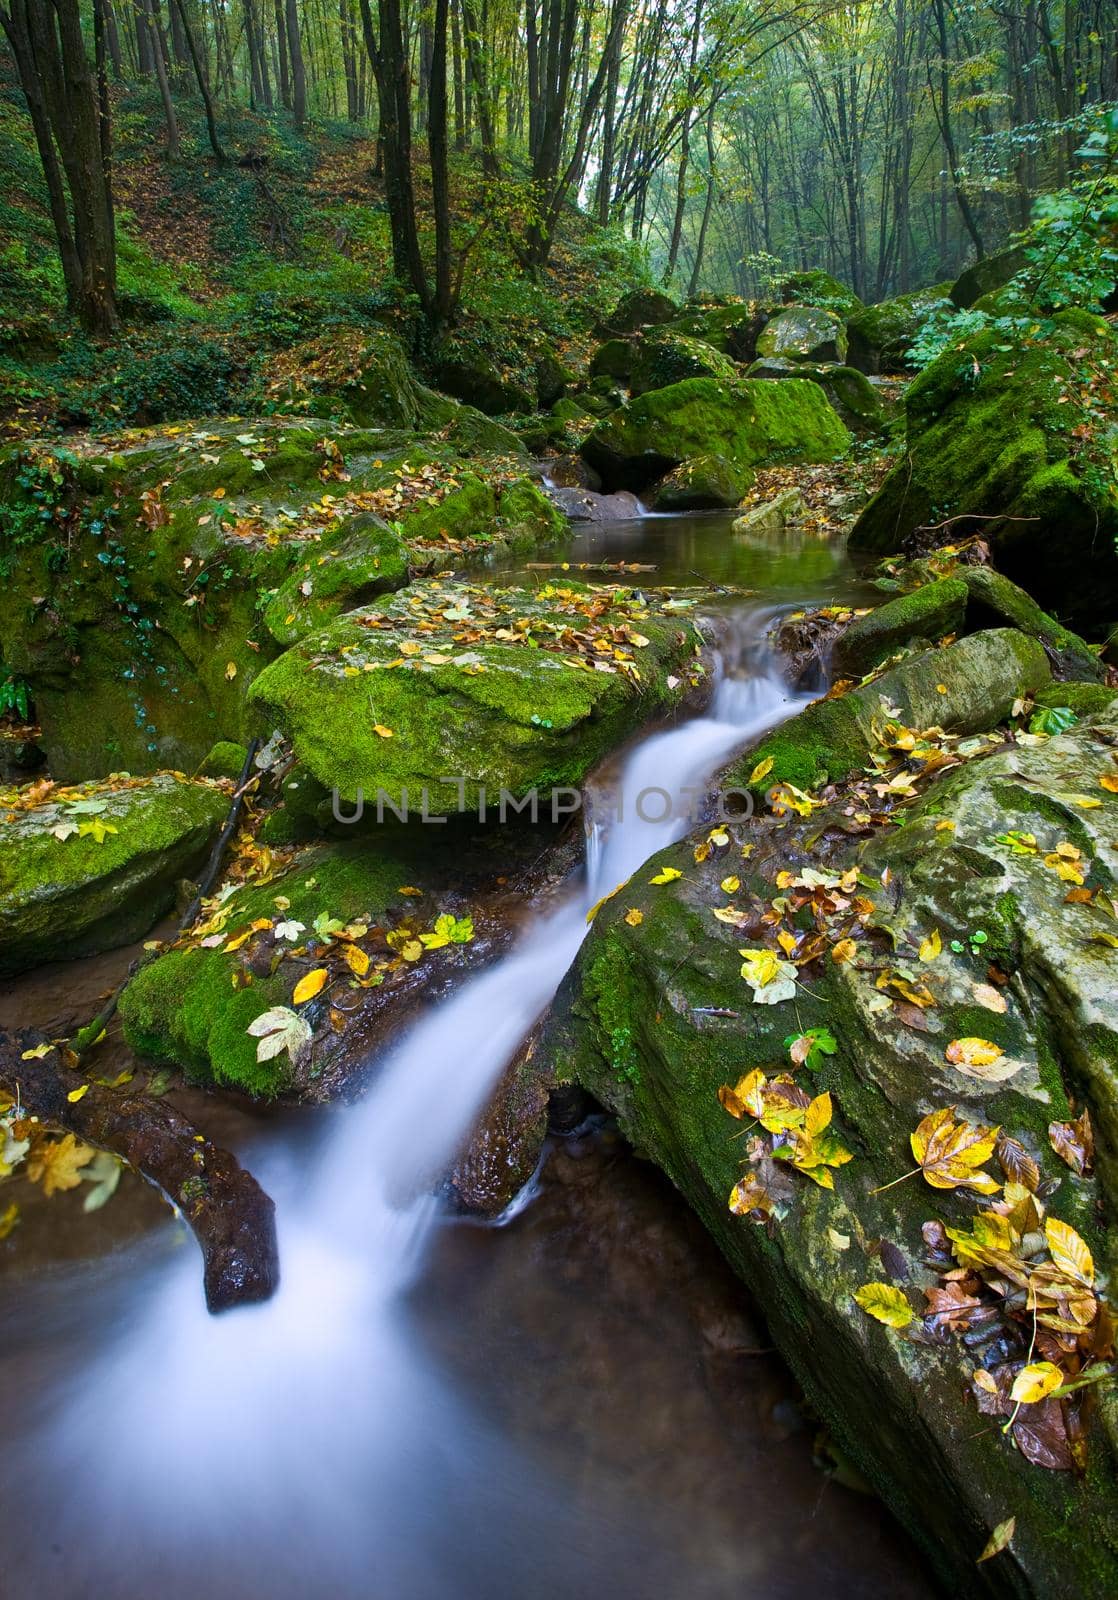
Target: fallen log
x,y
231,1217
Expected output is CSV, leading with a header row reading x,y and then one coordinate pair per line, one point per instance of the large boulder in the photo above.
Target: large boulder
x,y
702,483
803,333
447,690
879,336
88,868
986,276
849,391
148,582
360,374
1015,436
941,968
814,287
731,326
482,380
639,308
748,424
665,357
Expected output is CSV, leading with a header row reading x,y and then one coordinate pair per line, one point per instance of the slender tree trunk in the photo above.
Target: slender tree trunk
x,y
201,78
442,306
298,70
159,58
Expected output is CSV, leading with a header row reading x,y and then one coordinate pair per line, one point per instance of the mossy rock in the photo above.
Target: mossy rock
x,y
803,333
966,687
702,483
75,895
640,308
664,358
362,375
987,276
140,633
554,377
612,359
192,1005
481,380
989,434
880,335
772,516
748,423
926,615
225,760
849,391
814,287
993,601
729,326
466,693
654,1017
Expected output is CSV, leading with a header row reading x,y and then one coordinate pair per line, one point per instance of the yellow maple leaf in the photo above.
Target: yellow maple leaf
x,y
57,1163
951,1151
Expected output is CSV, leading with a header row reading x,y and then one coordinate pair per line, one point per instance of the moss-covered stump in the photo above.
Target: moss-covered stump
x,y
89,868
928,614
749,424
803,333
147,583
880,335
656,1016
331,908
665,357
1016,437
963,688
449,690
849,391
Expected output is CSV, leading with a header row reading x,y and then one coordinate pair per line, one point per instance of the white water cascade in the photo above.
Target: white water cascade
x,y
308,1446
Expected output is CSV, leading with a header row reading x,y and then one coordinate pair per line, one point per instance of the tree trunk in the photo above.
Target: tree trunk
x,y
201,79
159,57
298,71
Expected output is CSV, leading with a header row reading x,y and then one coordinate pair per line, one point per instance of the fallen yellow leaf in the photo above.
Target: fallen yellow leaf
x,y
310,984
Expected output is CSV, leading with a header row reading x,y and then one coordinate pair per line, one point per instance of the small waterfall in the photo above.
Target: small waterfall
x,y
316,1413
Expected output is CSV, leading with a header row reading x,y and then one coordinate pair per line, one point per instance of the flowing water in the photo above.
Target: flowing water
x,y
383,1428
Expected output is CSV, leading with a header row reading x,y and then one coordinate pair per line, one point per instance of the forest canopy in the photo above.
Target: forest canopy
x,y
886,142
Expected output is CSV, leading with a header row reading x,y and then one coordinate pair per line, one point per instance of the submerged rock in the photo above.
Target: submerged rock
x,y
89,868
747,424
655,1017
455,691
803,333
1009,436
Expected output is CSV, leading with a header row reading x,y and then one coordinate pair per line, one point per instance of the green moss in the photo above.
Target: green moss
x,y
926,615
76,895
498,714
814,287
183,1008
747,423
660,359
880,335
803,333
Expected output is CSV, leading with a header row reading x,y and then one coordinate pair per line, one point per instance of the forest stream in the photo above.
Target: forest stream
x,y
577,1400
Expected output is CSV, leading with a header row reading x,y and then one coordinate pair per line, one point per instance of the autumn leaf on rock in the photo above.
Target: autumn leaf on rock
x,y
980,1058
745,1098
931,946
999,1540
951,1152
750,1197
280,1029
813,1149
666,875
357,960
770,979
1074,1142
1035,1382
886,1303
310,984
1068,1250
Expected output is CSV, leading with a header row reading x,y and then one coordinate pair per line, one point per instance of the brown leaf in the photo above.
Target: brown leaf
x,y
1074,1142
1017,1163
1041,1436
